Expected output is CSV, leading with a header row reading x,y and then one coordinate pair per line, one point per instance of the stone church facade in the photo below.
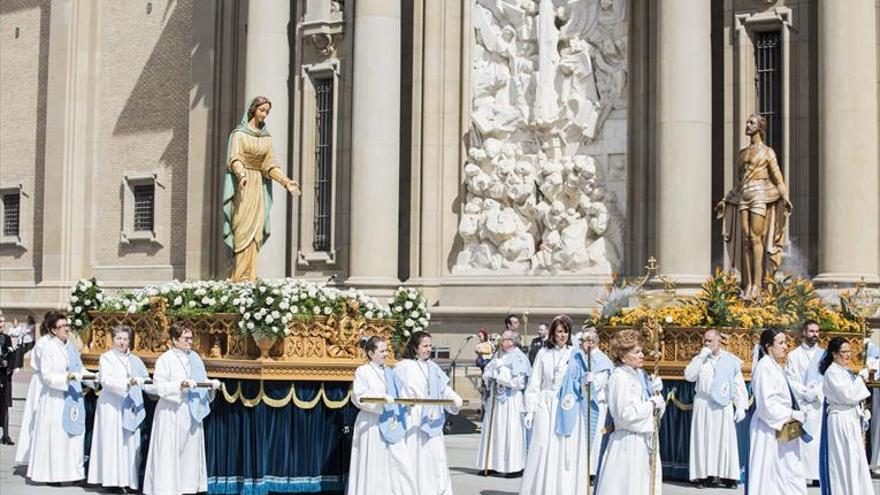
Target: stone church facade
x,y
501,155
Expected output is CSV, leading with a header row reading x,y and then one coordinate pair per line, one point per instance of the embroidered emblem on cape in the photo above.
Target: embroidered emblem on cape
x,y
567,402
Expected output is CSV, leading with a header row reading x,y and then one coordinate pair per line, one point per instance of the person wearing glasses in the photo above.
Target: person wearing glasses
x,y
55,453
176,460
504,434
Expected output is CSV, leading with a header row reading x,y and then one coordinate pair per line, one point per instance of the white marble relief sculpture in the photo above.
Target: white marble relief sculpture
x,y
546,74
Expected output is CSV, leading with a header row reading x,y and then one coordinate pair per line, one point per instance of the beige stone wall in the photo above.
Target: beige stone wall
x,y
24,44
143,125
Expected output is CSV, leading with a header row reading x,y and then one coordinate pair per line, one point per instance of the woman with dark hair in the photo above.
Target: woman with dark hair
x,y
56,449
379,458
423,379
551,462
775,465
115,458
632,400
843,463
247,190
176,459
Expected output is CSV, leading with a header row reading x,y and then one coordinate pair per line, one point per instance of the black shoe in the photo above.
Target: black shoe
x,y
729,483
6,441
517,474
701,484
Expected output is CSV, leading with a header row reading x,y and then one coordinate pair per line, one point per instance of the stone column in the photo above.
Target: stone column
x,y
266,74
684,139
375,144
849,196
72,96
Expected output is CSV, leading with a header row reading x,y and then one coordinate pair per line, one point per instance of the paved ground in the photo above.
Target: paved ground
x,y
461,449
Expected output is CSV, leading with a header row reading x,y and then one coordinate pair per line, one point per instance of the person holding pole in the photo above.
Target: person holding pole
x,y
423,379
503,439
176,460
379,457
629,458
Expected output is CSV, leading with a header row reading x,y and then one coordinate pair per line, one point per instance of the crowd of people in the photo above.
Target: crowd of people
x,y
564,415
565,418
53,425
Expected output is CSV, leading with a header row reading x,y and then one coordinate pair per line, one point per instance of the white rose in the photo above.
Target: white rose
x,y
223,299
398,309
235,302
412,295
77,309
269,319
313,293
99,297
276,314
178,301
668,318
132,309
409,322
78,322
406,333
192,304
246,316
316,310
368,315
241,324
242,310
283,305
414,314
74,299
87,284
206,300
270,300
275,291
262,288
294,309
423,322
327,310
258,316
250,325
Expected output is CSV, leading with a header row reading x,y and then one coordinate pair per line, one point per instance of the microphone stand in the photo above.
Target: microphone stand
x,y
457,354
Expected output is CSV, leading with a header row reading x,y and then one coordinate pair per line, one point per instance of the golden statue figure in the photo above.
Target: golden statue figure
x,y
760,203
247,191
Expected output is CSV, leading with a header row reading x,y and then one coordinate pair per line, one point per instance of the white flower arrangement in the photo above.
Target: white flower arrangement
x,y
410,309
86,295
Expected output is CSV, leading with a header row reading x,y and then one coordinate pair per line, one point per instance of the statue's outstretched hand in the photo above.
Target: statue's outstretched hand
x,y
242,181
788,205
293,187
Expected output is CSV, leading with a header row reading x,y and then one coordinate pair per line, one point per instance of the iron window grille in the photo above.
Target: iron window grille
x,y
144,199
11,211
768,81
323,162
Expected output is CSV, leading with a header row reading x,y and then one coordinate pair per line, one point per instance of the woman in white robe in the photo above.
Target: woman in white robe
x,y
423,379
633,400
552,460
115,458
505,376
176,459
775,466
26,431
842,455
56,456
379,458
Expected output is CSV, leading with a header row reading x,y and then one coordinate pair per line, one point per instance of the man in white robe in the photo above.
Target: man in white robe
x,y
720,401
506,376
874,367
802,372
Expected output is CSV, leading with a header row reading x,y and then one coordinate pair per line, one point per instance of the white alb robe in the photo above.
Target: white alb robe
x,y
874,366
507,453
552,462
796,369
55,456
427,454
775,467
600,395
376,466
115,457
35,389
713,446
847,462
626,465
176,458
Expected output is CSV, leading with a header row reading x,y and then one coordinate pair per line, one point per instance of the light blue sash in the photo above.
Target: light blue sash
x,y
199,406
519,365
74,413
572,402
434,417
392,421
133,411
721,389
